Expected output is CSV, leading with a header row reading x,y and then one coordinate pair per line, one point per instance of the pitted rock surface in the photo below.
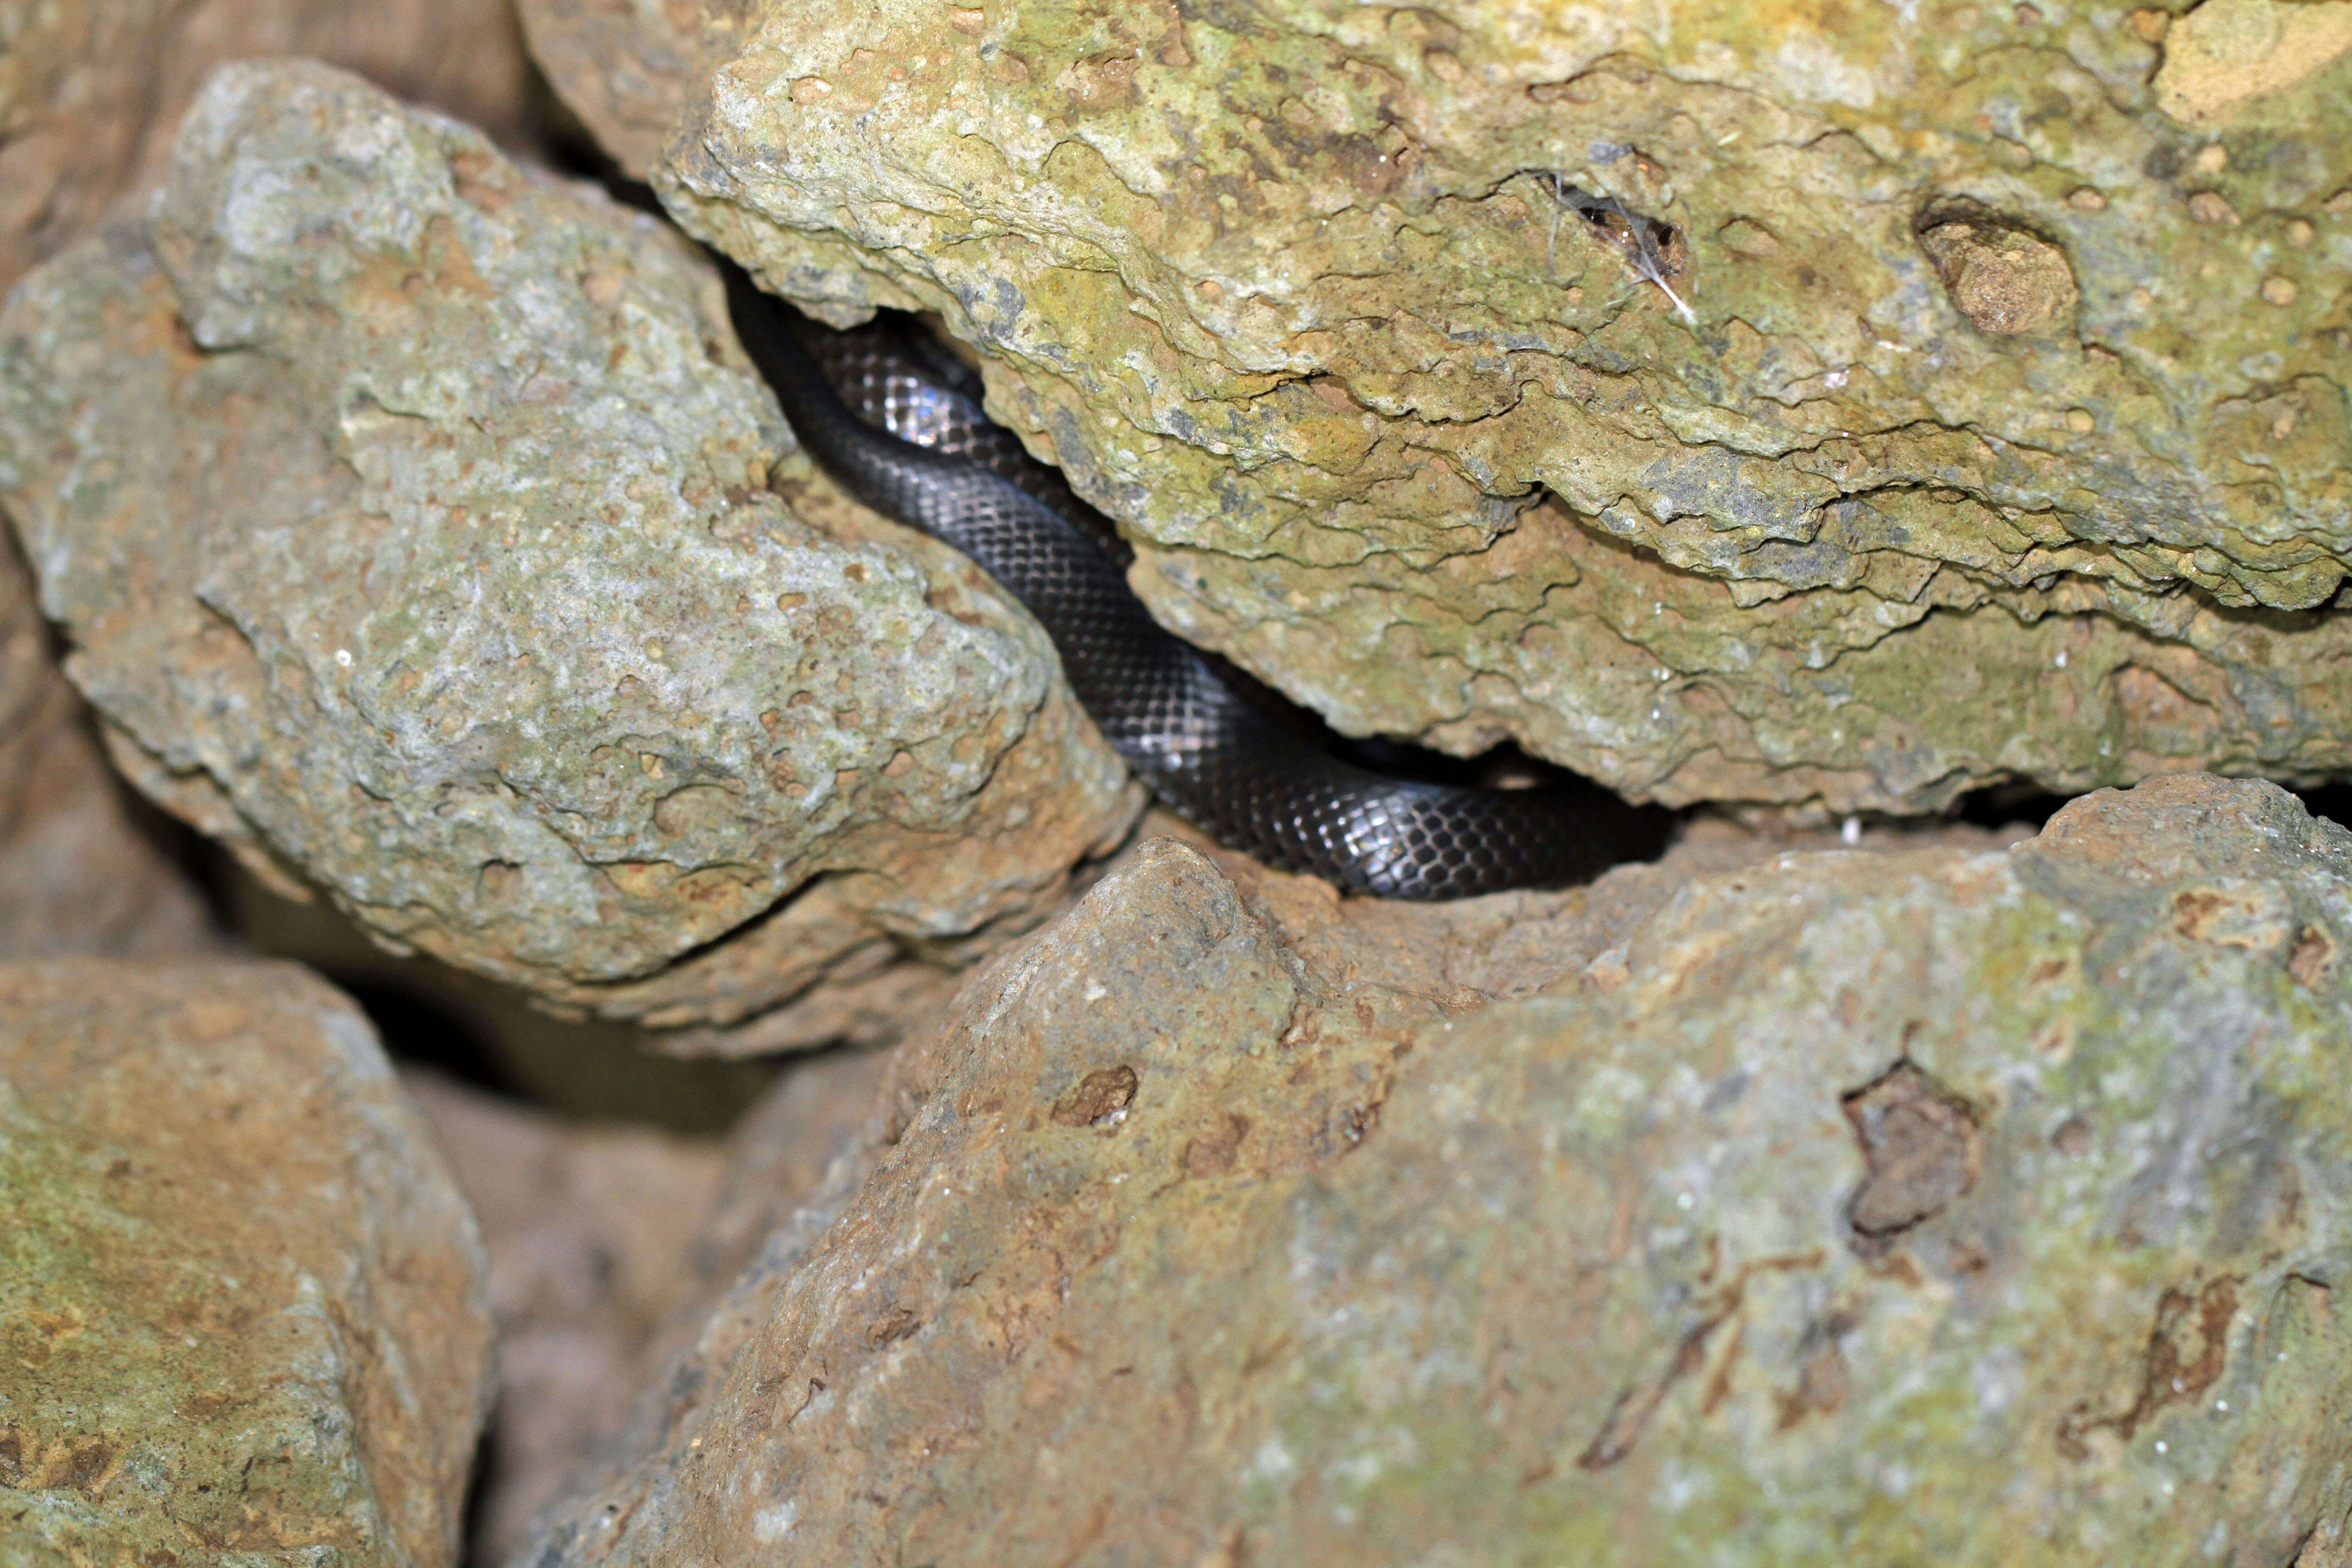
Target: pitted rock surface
x,y
412,518
242,1314
1947,1202
1327,307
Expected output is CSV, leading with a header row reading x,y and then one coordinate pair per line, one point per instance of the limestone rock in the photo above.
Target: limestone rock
x,y
241,1302
1334,313
76,873
1952,1204
91,92
411,515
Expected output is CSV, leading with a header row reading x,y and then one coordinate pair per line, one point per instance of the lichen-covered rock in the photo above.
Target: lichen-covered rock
x,y
411,516
1951,1204
75,875
90,92
241,1302
2009,351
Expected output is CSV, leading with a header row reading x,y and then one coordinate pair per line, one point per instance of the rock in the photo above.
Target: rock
x,y
591,1233
1333,313
2003,280
609,1247
77,875
2227,56
1948,1204
409,514
91,92
241,1300
625,67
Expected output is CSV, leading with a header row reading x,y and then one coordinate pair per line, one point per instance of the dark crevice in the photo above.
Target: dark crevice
x,y
418,1031
2006,805
2332,801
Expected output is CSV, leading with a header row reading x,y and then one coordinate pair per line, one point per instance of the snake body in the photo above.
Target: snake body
x,y
899,426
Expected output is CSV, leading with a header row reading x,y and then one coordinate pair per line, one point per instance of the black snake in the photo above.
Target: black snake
x,y
898,423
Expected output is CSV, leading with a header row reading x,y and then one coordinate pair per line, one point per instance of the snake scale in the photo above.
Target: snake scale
x,y
898,423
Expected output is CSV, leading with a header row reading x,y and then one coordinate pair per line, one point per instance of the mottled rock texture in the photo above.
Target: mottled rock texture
x,y
241,1302
2007,438
76,874
410,515
1950,1205
91,91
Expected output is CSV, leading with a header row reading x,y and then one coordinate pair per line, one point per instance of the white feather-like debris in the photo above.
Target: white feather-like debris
x,y
1631,235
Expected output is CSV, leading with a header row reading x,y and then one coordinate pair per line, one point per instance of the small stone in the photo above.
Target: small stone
x,y
2081,421
2279,291
2005,280
2084,199
2300,233
2212,206
2210,160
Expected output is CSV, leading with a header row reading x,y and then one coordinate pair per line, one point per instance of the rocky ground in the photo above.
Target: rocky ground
x,y
784,1098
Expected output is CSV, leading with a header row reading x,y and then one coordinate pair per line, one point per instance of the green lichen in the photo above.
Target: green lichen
x,y
1306,299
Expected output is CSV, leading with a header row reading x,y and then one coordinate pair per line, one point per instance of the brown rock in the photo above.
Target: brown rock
x,y
591,1233
2227,56
2003,279
1953,1204
790,1166
241,1302
91,91
625,67
76,874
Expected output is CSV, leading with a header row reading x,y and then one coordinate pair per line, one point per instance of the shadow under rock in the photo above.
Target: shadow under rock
x,y
487,1033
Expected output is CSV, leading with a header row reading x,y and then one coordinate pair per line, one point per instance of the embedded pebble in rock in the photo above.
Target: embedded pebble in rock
x,y
1950,1202
241,1302
411,518
90,91
1333,311
76,873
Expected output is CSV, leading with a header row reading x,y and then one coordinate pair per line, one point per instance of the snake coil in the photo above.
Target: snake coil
x,y
898,424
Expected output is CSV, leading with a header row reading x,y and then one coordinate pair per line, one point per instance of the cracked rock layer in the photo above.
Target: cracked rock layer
x,y
2016,348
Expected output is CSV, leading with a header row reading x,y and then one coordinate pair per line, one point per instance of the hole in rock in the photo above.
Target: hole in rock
x,y
2003,805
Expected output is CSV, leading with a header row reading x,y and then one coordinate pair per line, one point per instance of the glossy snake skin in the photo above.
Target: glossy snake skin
x,y
898,424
